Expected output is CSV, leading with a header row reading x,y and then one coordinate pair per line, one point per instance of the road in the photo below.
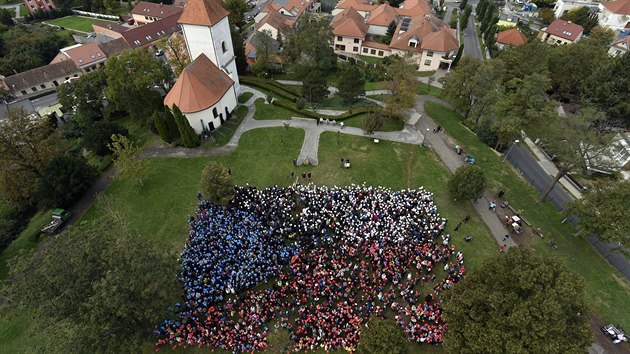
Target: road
x,y
45,101
471,42
521,158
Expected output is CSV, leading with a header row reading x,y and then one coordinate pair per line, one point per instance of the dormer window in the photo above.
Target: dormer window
x,y
413,44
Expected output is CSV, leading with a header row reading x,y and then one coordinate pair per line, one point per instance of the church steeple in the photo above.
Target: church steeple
x,y
202,13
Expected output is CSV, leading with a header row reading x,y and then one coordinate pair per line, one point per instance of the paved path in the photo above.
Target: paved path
x,y
443,147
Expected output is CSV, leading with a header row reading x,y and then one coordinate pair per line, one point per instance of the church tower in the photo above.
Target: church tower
x,y
207,31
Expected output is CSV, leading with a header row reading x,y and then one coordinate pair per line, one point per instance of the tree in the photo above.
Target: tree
x,y
602,212
351,83
12,221
239,50
465,16
161,127
64,181
382,336
216,183
518,60
236,9
314,87
308,48
519,302
131,78
458,56
189,137
99,288
463,4
99,134
127,158
524,101
264,50
391,29
27,147
546,14
611,90
171,124
6,17
467,183
400,80
575,142
371,123
481,8
175,51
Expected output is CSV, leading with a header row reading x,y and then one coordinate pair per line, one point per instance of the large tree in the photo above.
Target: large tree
x,y
581,16
382,336
608,89
603,211
519,302
314,87
64,181
524,60
175,50
99,134
575,142
27,147
400,81
127,158
132,79
351,83
467,183
264,43
308,48
99,288
216,183
188,136
236,9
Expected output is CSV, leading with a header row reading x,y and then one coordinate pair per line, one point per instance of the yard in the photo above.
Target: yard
x,y
77,23
158,210
607,291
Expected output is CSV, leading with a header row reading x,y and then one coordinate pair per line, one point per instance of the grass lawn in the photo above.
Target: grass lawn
x,y
372,86
269,111
371,60
389,125
77,23
425,73
606,290
381,98
25,242
244,97
424,89
336,102
225,132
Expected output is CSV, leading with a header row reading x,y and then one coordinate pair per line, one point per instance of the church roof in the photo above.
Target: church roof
x,y
202,13
200,86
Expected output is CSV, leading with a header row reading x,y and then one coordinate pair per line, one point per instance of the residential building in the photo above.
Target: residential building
x,y
615,15
207,89
275,23
561,32
619,46
510,38
379,20
349,28
43,5
563,6
147,12
44,78
87,57
141,36
291,9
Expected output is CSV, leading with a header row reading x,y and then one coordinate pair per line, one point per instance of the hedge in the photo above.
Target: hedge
x,y
315,115
270,85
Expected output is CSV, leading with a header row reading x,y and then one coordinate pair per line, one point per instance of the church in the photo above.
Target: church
x,y
207,89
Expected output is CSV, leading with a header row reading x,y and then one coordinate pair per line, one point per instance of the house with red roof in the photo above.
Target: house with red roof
x,y
87,57
561,32
146,12
615,15
510,38
619,46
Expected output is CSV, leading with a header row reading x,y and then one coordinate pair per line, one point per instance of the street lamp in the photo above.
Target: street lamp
x,y
424,137
510,150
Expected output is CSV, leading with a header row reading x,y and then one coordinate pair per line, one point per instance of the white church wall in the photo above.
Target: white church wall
x,y
199,120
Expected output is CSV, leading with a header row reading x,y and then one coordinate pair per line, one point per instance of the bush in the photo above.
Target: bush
x,y
216,183
270,85
299,104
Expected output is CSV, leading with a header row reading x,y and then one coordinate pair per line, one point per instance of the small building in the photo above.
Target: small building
x,y
615,15
147,12
87,57
43,5
349,29
510,38
619,46
204,93
44,78
141,36
561,32
275,23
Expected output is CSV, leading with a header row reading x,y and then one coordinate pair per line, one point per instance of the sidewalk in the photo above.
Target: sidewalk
x,y
550,167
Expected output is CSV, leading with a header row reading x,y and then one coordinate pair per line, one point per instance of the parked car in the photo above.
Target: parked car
x,y
616,334
470,159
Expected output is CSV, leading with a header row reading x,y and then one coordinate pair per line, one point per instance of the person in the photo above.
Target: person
x,y
308,175
468,238
457,227
466,219
294,162
492,206
303,175
340,125
229,171
501,193
505,237
502,247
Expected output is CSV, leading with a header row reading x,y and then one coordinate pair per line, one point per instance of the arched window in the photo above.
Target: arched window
x,y
224,47
214,112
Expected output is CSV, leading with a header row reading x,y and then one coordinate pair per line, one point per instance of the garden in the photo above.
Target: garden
x,y
77,23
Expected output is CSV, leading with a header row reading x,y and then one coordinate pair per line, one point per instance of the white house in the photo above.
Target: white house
x,y
619,46
207,89
561,32
615,15
563,6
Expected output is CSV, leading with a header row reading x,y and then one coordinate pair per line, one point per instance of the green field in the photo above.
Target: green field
x,y
606,290
77,23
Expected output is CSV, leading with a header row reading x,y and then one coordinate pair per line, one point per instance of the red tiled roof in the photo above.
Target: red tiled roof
x,y
383,15
110,26
511,36
144,8
359,5
419,27
442,40
85,54
565,29
411,8
145,34
349,23
200,86
275,19
620,7
375,45
203,12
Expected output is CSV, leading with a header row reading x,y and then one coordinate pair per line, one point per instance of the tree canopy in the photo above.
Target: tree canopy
x,y
467,183
382,336
216,183
308,47
65,180
519,302
603,211
127,157
351,83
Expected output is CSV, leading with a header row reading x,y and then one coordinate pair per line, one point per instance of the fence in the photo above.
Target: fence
x,y
96,15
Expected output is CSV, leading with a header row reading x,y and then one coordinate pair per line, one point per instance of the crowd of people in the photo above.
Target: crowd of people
x,y
315,261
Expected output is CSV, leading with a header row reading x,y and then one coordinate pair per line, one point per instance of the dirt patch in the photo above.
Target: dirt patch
x,y
604,341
